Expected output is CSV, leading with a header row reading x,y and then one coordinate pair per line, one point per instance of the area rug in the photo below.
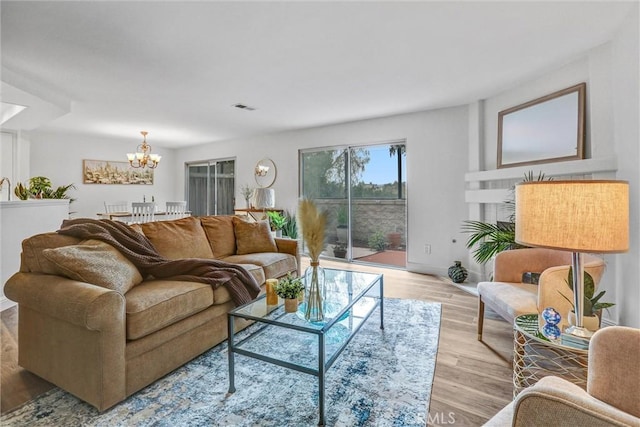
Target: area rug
x,y
383,378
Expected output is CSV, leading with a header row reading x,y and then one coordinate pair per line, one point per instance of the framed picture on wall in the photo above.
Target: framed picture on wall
x,y
547,129
114,172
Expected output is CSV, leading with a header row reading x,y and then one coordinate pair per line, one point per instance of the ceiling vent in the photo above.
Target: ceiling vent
x,y
244,107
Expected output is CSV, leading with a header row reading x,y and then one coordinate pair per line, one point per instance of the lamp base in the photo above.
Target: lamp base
x,y
579,332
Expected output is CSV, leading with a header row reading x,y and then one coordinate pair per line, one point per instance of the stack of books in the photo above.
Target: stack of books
x,y
574,341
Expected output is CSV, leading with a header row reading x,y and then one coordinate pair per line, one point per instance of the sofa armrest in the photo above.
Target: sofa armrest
x,y
81,304
553,399
72,334
289,246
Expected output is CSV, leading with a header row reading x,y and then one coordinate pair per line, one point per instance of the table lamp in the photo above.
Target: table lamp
x,y
577,216
264,198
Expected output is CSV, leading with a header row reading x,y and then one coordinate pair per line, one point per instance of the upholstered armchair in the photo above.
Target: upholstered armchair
x,y
612,397
509,297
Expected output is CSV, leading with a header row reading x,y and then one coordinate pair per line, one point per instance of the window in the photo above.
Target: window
x,y
211,187
364,190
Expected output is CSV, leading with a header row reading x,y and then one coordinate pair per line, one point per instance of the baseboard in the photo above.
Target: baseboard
x,y
608,322
6,303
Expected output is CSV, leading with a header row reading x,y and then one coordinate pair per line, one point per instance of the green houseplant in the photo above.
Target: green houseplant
x,y
276,220
591,304
377,241
290,228
40,187
289,288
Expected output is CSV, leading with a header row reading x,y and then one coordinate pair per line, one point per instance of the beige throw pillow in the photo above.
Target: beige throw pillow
x,y
253,237
178,239
95,262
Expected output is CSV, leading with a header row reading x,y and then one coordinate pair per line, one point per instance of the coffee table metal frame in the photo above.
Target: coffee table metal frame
x,y
535,357
275,316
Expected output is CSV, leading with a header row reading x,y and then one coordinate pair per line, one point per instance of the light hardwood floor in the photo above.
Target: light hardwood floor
x,y
472,378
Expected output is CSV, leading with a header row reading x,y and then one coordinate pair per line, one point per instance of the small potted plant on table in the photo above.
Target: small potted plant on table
x,y
290,288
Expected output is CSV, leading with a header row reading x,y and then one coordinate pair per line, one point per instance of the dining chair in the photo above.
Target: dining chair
x,y
142,212
111,207
176,210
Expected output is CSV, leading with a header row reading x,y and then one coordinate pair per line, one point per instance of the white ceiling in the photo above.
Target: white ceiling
x,y
176,68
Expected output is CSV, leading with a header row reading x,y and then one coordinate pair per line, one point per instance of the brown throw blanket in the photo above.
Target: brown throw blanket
x,y
139,250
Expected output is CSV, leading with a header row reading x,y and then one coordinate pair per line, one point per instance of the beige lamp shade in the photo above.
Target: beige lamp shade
x,y
264,198
577,216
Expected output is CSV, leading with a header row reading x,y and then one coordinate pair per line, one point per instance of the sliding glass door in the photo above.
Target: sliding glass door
x,y
210,187
364,190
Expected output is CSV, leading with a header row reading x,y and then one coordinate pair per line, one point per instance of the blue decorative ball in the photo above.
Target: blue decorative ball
x,y
551,316
551,331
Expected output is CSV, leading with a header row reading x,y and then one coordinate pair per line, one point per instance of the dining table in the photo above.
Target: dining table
x,y
128,216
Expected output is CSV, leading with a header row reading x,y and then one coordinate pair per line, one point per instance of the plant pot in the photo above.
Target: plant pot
x,y
276,234
394,240
290,305
591,323
339,252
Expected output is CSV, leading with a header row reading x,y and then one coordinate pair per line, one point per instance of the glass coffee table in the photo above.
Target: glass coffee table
x,y
288,340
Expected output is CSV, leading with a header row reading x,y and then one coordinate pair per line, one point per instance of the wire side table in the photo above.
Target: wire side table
x,y
535,357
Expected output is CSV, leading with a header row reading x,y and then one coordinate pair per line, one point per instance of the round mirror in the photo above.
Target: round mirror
x,y
265,173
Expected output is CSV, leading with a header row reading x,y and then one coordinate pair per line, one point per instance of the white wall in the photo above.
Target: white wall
x,y
625,65
436,163
59,157
611,72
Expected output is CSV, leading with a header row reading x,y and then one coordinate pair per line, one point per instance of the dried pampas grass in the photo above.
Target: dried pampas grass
x,y
313,223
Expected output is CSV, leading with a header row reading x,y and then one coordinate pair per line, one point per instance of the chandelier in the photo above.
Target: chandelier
x,y
143,157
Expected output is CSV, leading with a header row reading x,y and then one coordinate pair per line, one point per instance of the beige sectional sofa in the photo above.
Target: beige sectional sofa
x,y
92,325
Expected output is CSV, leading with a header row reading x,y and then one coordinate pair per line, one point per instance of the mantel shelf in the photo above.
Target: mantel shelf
x,y
559,169
573,167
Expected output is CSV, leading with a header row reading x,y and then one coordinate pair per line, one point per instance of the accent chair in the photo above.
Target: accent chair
x,y
612,397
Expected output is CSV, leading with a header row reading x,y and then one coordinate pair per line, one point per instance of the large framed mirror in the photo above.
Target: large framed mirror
x,y
547,129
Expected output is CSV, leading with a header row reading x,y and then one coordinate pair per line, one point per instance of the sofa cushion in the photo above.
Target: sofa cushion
x,y
510,299
32,259
155,304
252,237
274,264
181,238
95,262
221,235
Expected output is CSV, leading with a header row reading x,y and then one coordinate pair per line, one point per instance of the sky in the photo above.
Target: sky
x,y
382,169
